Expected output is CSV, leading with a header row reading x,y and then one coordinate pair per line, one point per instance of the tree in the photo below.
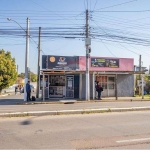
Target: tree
x,y
22,75
31,75
8,72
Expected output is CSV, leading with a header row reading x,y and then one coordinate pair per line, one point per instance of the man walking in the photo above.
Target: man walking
x,y
28,90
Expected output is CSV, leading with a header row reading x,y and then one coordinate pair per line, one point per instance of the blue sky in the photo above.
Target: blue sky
x,y
103,21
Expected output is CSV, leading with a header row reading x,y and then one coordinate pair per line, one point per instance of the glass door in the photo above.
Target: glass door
x,y
69,86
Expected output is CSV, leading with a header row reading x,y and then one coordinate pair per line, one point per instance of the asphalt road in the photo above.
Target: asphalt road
x,y
130,130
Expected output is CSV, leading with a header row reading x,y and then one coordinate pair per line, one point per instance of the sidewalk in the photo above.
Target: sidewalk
x,y
69,101
14,106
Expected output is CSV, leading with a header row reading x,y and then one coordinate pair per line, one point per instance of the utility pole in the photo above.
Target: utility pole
x,y
88,50
140,74
142,86
26,59
17,68
38,71
140,63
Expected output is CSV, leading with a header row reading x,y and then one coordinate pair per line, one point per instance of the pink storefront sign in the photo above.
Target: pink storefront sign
x,y
107,64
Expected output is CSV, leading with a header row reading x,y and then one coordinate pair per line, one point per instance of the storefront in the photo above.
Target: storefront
x,y
60,86
64,76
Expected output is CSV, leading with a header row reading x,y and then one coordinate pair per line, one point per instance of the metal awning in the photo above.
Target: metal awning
x,y
91,72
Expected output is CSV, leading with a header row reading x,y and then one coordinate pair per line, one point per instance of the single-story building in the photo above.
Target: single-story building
x,y
65,76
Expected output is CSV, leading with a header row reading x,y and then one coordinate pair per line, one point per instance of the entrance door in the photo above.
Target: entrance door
x,y
108,84
69,86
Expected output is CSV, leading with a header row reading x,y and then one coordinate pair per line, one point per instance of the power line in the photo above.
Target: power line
x,y
107,47
117,4
125,11
94,5
49,10
87,3
118,43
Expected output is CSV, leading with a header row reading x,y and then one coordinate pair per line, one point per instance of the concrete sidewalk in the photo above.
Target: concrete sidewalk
x,y
14,106
74,108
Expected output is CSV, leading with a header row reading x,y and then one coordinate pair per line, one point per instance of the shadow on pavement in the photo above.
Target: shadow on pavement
x,y
10,101
26,122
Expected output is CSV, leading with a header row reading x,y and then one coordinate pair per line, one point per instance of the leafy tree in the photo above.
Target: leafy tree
x,y
31,75
8,73
22,75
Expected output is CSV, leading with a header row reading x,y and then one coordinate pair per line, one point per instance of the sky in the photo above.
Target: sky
x,y
117,28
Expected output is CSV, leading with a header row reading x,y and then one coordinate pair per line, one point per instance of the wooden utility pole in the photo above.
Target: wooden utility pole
x,y
38,69
140,74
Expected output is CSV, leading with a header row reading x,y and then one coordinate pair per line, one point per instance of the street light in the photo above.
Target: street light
x,y
26,54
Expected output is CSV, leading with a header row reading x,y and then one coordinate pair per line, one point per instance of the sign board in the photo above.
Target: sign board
x,y
139,83
62,62
102,62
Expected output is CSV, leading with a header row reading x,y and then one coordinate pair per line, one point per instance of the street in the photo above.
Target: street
x,y
129,130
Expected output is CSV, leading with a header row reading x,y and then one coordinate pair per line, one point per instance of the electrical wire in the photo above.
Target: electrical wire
x,y
94,5
107,48
118,43
117,4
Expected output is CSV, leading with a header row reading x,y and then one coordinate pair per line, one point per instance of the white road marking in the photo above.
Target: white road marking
x,y
133,140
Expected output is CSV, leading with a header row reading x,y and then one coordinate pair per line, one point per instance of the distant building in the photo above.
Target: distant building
x,y
20,80
137,68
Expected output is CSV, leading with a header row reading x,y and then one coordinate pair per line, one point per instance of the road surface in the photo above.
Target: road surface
x,y
129,130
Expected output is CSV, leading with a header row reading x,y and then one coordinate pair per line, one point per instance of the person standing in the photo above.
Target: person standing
x,y
16,90
99,90
28,91
96,93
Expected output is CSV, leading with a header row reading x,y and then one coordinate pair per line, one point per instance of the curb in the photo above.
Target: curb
x,y
72,102
72,112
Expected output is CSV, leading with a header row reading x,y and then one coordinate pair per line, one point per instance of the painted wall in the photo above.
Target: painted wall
x,y
125,64
125,85
83,86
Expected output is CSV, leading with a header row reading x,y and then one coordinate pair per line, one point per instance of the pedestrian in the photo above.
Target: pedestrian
x,y
21,87
16,90
96,93
99,90
28,91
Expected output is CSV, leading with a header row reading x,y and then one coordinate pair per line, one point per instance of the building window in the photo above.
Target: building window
x,y
111,86
107,82
111,82
102,80
111,79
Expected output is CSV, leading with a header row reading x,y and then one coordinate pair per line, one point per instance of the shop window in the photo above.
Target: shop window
x,y
111,79
104,85
56,80
111,86
101,78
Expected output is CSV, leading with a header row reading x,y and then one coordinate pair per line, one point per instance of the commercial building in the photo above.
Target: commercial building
x,y
64,76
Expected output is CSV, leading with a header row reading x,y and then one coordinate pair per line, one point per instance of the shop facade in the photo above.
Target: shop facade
x,y
63,77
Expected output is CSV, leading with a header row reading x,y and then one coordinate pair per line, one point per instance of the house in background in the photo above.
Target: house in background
x,y
20,81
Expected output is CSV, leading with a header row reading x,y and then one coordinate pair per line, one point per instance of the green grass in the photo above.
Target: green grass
x,y
146,96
